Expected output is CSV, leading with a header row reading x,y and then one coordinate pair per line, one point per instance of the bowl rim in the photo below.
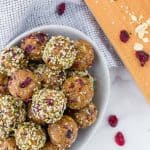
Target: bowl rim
x,y
103,61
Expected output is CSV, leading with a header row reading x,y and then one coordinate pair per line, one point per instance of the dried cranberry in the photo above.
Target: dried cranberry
x,y
41,37
72,86
49,102
80,81
142,56
69,134
72,100
119,139
29,48
113,120
61,8
124,36
25,83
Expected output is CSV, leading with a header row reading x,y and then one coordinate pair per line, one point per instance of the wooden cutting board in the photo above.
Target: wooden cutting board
x,y
132,16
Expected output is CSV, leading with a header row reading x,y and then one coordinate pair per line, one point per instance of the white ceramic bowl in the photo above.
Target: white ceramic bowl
x,y
99,71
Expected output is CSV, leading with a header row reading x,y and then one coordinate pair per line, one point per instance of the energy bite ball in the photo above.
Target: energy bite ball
x,y
85,55
50,146
79,91
33,45
12,112
8,144
30,136
48,105
22,84
64,132
59,53
12,59
50,78
86,116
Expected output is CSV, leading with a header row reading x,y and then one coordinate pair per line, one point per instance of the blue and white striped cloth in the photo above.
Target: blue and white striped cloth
x,y
18,16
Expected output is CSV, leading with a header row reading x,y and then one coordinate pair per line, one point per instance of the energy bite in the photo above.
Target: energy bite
x,y
12,59
50,78
86,116
34,44
30,136
22,84
79,91
12,112
85,55
59,53
8,144
64,132
48,105
50,146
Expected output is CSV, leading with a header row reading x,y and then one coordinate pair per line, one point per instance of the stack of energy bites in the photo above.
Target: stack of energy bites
x,y
46,92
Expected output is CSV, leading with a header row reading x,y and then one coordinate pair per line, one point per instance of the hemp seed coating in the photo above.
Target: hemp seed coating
x,y
59,53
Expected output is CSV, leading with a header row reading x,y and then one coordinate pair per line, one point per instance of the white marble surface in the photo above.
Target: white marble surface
x,y
127,102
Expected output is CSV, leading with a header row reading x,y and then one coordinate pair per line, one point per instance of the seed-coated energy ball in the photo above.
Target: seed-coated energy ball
x,y
30,136
48,105
3,83
59,53
52,79
34,44
12,112
64,132
8,144
50,146
22,84
79,91
85,55
12,59
86,116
